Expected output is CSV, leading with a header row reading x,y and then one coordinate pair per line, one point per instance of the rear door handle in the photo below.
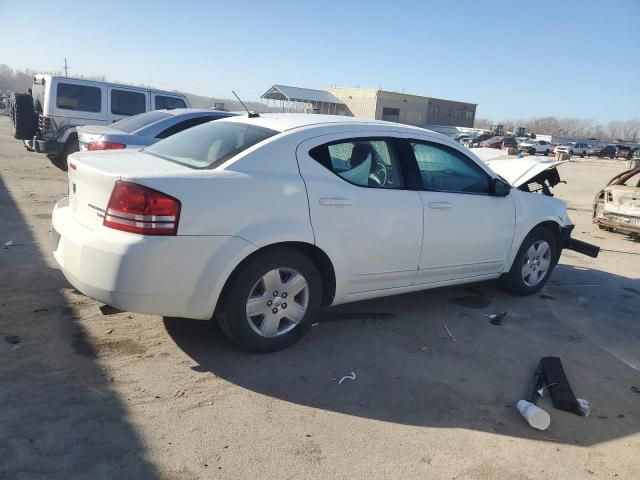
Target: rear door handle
x,y
334,202
440,205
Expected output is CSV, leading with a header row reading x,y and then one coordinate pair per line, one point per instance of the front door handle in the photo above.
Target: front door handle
x,y
335,202
440,205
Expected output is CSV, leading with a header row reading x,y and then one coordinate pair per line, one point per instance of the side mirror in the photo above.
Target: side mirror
x,y
500,188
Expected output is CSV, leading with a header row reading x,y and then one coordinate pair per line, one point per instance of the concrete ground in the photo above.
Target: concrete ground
x,y
89,396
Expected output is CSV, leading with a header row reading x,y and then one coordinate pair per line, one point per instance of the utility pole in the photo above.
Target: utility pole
x,y
66,68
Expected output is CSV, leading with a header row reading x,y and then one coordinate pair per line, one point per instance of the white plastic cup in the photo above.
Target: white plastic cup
x,y
536,417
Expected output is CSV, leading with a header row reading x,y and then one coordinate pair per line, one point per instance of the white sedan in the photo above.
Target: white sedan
x,y
262,221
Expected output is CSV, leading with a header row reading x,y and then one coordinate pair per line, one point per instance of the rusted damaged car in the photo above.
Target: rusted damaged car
x,y
617,206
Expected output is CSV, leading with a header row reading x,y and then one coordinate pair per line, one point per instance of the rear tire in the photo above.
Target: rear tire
x,y
583,154
72,146
534,262
268,329
23,119
546,152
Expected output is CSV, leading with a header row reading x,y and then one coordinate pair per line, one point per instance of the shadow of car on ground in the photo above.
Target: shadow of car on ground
x,y
410,371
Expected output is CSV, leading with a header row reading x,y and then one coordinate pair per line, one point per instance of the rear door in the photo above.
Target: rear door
x,y
362,213
468,232
125,102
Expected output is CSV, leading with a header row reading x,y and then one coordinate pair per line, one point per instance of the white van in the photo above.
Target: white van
x,y
61,104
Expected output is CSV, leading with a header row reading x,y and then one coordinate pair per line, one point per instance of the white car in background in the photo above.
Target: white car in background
x,y
261,221
573,148
535,146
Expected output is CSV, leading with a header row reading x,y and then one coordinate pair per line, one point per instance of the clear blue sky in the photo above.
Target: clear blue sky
x,y
563,58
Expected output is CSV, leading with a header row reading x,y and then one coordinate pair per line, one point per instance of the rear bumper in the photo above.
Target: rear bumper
x,y
179,276
40,145
622,223
578,245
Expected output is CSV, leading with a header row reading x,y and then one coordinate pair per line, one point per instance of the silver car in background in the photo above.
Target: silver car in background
x,y
142,130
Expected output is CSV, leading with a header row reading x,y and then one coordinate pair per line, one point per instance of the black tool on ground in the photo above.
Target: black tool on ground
x,y
12,339
550,372
496,318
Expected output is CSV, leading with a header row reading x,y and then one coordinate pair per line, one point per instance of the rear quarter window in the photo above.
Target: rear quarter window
x,y
211,144
124,102
162,102
82,98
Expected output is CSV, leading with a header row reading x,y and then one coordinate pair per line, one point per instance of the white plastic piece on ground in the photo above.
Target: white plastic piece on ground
x,y
584,406
535,416
352,376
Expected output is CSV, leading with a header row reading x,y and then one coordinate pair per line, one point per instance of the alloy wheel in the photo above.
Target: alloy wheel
x,y
536,264
277,302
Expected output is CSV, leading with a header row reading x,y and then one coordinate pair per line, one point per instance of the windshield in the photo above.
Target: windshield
x,y
131,124
210,144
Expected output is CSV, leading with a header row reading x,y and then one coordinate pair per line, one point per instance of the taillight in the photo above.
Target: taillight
x,y
138,209
44,123
105,145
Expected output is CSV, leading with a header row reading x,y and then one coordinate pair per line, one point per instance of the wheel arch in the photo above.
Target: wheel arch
x,y
318,256
552,226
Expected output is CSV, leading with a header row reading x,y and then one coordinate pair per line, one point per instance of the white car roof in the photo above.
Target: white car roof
x,y
281,122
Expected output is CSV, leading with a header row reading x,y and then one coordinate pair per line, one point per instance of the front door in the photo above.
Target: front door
x,y
468,232
361,212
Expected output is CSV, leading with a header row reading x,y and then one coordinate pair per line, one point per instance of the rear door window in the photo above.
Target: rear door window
x,y
126,102
70,96
162,102
366,162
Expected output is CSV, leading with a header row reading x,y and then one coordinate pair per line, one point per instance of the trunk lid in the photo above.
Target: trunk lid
x,y
92,176
93,133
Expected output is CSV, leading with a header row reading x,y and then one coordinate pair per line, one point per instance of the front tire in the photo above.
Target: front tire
x,y
532,267
271,300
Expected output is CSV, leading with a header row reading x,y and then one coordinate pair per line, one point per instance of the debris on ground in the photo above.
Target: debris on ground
x,y
541,390
110,331
496,318
584,407
453,339
635,390
547,297
351,376
40,310
11,243
12,339
109,310
550,372
535,416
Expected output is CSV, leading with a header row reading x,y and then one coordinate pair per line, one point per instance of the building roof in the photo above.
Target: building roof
x,y
297,94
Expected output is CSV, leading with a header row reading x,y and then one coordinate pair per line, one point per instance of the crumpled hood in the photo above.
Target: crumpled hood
x,y
518,171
